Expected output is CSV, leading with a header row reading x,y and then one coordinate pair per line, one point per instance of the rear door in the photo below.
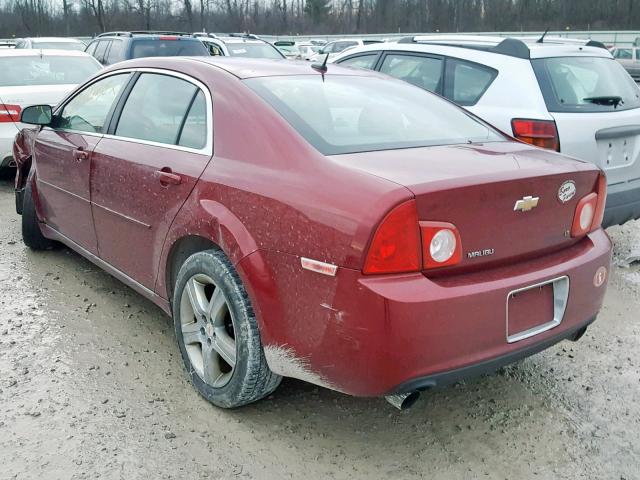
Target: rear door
x,y
62,155
596,106
160,141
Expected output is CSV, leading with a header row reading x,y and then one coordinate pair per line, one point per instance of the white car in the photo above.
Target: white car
x,y
566,95
239,45
338,46
35,77
48,43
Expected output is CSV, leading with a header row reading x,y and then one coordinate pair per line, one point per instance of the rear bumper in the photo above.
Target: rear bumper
x,y
377,335
623,204
489,366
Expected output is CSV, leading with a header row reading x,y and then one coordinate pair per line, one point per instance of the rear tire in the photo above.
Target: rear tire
x,y
31,233
218,334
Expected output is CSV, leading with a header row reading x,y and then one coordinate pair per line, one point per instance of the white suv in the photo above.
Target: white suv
x,y
566,95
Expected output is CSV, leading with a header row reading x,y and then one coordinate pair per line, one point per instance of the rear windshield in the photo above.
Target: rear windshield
x,y
167,48
60,45
349,114
585,84
46,70
253,50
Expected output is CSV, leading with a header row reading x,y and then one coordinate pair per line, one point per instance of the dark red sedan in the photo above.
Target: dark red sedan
x,y
344,228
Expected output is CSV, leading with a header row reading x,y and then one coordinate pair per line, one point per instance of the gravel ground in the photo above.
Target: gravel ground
x,y
92,386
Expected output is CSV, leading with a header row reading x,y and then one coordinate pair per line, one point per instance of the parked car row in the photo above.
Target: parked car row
x,y
375,235
566,96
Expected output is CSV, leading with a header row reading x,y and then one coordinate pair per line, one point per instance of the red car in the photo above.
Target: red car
x,y
340,227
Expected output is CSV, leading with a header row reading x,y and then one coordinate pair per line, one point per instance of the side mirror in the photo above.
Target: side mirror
x,y
37,115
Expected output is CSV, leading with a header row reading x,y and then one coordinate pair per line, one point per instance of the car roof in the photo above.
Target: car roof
x,y
37,52
523,47
53,39
245,67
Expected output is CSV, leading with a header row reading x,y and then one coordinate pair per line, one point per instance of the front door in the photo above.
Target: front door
x,y
144,172
63,160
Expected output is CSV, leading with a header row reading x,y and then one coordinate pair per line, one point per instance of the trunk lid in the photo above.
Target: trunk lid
x,y
476,188
34,95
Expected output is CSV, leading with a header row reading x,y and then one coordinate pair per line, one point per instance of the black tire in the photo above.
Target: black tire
x,y
31,234
250,379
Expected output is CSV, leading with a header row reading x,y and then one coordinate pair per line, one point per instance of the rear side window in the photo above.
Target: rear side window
x,y
360,61
167,48
115,53
466,81
156,108
194,130
421,71
585,84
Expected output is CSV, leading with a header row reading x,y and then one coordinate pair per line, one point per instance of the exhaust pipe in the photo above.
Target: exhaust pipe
x,y
402,401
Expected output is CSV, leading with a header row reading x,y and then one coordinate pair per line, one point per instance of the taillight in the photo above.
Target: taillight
x,y
168,37
590,210
541,133
395,247
9,113
441,245
402,244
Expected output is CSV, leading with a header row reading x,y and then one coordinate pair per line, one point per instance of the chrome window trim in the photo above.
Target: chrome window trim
x,y
207,150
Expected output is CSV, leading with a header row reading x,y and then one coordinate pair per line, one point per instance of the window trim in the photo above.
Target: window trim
x,y
111,119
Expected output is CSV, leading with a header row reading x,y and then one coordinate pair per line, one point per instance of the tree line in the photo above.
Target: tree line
x,y
20,18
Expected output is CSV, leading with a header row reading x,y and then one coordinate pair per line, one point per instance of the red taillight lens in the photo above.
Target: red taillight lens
x,y
541,133
9,113
395,247
168,37
441,245
590,210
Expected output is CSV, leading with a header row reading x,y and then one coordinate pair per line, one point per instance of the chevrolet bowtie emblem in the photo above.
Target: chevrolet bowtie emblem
x,y
526,204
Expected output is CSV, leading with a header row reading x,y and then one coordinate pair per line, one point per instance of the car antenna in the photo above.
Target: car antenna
x,y
541,39
322,68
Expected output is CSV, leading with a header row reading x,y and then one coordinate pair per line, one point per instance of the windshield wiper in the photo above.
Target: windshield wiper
x,y
612,100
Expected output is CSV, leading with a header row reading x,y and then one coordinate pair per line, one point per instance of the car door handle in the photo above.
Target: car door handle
x,y
167,177
80,154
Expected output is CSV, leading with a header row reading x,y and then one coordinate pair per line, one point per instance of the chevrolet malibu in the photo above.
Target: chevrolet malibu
x,y
335,226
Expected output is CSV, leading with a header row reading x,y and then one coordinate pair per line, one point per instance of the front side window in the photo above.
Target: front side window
x,y
348,114
360,61
467,82
418,70
340,46
88,111
46,70
156,108
585,84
